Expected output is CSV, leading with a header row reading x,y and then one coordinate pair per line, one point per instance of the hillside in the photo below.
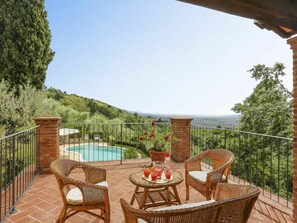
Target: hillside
x,y
94,107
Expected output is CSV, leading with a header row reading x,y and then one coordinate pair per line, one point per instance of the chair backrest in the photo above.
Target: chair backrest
x,y
219,157
233,208
61,168
238,201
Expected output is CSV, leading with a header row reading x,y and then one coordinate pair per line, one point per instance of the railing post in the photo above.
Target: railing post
x,y
13,174
181,143
225,139
49,141
293,43
121,143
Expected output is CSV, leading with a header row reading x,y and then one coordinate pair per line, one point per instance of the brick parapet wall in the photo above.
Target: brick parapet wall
x,y
49,141
293,43
181,144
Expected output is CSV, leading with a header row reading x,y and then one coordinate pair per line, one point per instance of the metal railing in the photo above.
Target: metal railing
x,y
18,154
263,160
105,142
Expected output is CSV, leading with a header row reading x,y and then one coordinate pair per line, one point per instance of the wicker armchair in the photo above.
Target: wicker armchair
x,y
81,195
205,181
232,203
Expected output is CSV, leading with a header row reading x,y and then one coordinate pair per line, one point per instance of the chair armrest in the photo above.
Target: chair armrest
x,y
130,214
214,177
194,163
91,193
226,191
93,174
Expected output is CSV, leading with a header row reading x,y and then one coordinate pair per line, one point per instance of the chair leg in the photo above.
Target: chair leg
x,y
61,218
107,218
187,192
107,214
208,195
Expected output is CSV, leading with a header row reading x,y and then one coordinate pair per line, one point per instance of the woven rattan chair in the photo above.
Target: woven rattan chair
x,y
232,203
81,195
205,181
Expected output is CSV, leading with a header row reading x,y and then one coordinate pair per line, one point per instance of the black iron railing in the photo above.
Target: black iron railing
x,y
18,154
105,142
263,160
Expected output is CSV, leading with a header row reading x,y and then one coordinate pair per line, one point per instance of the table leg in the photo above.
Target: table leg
x,y
145,192
176,194
168,195
134,195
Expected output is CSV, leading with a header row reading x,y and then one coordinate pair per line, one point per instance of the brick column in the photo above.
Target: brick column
x,y
181,145
293,43
49,141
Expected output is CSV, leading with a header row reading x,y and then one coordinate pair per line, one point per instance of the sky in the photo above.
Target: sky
x,y
158,56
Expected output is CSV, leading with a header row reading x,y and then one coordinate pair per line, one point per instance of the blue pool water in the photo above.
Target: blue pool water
x,y
92,152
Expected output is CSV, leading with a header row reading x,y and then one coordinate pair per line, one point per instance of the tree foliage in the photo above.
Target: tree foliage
x,y
25,43
268,109
18,112
98,111
261,159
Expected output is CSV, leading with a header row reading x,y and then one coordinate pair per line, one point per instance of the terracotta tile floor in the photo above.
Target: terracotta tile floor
x,y
42,202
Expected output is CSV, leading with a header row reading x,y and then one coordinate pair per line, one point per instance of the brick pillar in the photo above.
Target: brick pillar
x,y
181,145
293,43
49,141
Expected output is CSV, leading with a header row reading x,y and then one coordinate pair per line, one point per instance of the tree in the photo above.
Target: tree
x,y
17,112
25,38
268,109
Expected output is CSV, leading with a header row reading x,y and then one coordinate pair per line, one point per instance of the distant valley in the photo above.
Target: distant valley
x,y
100,110
213,121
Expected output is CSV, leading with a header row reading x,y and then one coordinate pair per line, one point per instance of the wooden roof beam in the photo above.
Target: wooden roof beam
x,y
276,12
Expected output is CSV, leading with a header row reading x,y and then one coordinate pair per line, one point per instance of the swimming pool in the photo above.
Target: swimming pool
x,y
91,152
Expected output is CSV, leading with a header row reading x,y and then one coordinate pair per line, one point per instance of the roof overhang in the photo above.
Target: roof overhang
x,y
279,16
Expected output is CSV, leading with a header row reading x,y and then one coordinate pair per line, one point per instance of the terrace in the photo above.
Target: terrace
x,y
42,202
33,195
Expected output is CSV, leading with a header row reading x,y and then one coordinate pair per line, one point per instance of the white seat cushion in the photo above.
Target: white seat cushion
x,y
201,175
190,205
75,195
102,184
139,220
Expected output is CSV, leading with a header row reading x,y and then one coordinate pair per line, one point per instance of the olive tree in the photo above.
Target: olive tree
x,y
18,112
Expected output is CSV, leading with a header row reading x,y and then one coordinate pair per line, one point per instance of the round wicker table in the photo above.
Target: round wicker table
x,y
153,194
